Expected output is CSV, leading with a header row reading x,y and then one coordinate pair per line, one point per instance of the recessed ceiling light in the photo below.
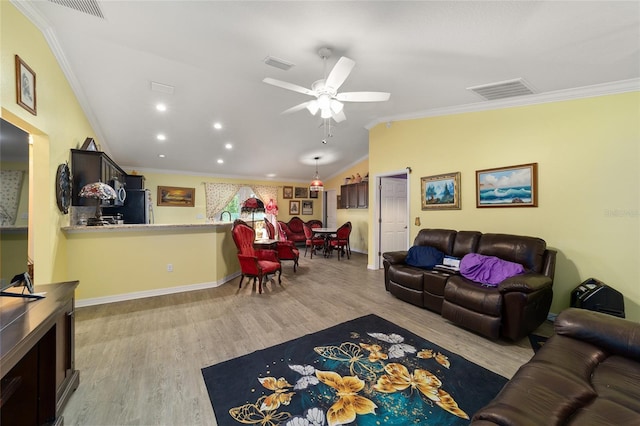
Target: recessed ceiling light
x,y
161,155
161,137
228,145
220,161
271,175
161,107
217,126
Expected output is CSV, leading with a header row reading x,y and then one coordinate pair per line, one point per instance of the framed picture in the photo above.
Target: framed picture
x,y
307,207
441,192
313,194
302,192
89,145
514,186
25,86
176,197
287,192
294,207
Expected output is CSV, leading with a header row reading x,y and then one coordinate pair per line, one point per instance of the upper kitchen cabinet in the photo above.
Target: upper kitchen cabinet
x,y
93,166
354,196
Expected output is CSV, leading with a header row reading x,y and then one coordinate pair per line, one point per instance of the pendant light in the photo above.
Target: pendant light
x,y
316,183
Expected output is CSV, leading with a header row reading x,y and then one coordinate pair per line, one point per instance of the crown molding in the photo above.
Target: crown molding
x,y
603,89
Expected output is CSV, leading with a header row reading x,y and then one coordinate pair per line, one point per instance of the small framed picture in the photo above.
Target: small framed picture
x,y
302,192
313,194
25,86
287,192
294,207
307,207
513,186
176,197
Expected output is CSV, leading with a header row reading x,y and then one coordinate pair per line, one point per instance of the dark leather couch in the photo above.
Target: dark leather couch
x,y
512,310
588,373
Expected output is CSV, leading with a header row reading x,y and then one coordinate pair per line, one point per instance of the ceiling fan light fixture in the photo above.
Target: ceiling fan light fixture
x,y
313,107
324,101
325,113
336,106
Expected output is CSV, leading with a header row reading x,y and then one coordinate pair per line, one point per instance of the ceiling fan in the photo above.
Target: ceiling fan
x,y
327,99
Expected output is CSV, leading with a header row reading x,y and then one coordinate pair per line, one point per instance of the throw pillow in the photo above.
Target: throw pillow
x,y
425,257
489,270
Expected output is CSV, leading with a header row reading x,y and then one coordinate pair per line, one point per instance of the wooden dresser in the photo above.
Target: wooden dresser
x,y
37,356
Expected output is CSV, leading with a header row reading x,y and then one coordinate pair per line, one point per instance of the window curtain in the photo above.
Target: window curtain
x,y
10,185
218,195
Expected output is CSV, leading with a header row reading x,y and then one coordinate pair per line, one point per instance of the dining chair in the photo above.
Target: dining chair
x,y
341,240
287,250
312,241
254,263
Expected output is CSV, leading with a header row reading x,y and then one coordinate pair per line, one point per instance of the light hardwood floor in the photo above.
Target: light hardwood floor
x,y
140,360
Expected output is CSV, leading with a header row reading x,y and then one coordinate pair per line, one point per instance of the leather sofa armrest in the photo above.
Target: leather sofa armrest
x,y
613,334
395,257
525,283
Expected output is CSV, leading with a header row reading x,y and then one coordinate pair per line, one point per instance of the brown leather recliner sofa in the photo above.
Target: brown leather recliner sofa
x,y
513,309
588,373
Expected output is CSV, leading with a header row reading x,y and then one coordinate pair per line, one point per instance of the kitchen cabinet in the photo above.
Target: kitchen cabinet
x,y
92,166
354,196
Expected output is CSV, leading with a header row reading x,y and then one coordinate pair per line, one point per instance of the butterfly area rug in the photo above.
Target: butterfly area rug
x,y
367,371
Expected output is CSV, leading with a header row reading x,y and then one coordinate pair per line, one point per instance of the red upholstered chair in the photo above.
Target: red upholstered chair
x,y
254,263
286,249
311,241
341,241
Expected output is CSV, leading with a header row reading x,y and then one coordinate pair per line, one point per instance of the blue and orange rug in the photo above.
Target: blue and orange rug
x,y
367,371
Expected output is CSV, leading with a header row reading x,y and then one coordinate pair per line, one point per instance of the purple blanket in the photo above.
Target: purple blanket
x,y
488,270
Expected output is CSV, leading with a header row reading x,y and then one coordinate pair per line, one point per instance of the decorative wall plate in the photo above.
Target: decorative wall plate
x,y
63,188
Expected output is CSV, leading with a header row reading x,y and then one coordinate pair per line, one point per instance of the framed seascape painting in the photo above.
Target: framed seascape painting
x,y
514,186
176,197
441,192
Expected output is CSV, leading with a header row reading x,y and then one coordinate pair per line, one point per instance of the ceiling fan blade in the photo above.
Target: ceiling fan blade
x,y
289,86
363,96
339,73
339,117
296,108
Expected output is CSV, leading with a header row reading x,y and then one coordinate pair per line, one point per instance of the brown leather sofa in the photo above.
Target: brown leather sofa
x,y
588,373
513,309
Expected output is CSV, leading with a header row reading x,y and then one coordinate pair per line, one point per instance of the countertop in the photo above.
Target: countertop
x,y
144,227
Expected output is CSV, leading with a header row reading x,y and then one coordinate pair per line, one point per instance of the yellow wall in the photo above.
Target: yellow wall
x,y
588,156
359,218
60,124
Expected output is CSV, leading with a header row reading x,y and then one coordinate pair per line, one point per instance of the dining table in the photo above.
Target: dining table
x,y
326,234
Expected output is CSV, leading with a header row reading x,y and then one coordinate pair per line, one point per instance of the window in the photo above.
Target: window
x,y
233,207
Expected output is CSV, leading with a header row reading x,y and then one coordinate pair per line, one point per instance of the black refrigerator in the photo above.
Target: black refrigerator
x,y
137,207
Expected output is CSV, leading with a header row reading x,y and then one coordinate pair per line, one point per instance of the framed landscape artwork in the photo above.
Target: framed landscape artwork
x,y
307,207
294,207
287,192
441,192
302,192
176,197
514,186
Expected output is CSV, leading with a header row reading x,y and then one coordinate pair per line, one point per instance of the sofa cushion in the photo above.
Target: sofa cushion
x,y
489,270
425,257
463,292
407,276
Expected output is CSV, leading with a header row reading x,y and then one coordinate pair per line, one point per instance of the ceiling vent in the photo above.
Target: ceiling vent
x,y
503,89
278,63
89,7
162,88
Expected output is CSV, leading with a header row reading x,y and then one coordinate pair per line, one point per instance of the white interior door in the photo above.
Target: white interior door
x,y
331,209
393,215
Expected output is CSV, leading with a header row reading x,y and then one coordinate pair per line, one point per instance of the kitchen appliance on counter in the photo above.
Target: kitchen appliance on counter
x,y
137,207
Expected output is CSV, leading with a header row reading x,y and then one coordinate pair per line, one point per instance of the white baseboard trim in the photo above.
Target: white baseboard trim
x,y
81,303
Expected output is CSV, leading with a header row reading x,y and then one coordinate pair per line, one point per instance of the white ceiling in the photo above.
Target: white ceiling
x,y
425,53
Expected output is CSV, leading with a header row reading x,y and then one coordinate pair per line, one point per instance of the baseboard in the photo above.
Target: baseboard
x,y
80,303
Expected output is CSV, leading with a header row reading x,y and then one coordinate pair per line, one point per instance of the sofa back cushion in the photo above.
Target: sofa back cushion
x,y
527,251
296,225
441,239
465,242
425,257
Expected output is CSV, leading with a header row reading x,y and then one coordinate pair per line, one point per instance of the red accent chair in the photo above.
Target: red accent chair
x,y
286,249
341,241
312,241
293,229
254,263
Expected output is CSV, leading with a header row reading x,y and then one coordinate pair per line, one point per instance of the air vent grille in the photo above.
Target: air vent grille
x,y
89,7
278,63
503,89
